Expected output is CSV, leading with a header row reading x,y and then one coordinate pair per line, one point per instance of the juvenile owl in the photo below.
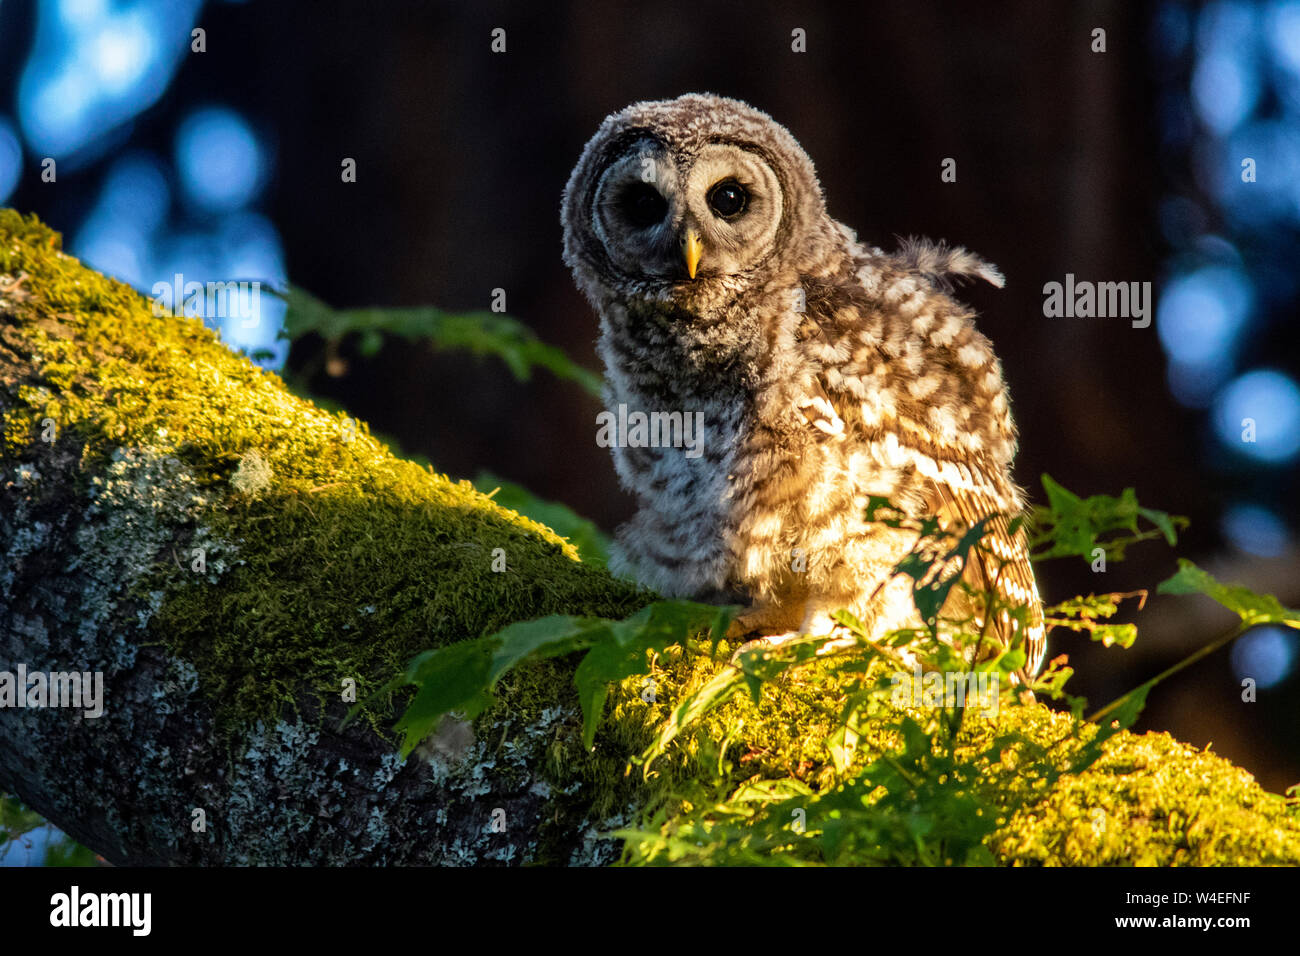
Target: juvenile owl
x,y
821,372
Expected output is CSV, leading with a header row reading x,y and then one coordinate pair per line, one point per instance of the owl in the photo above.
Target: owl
x,y
821,373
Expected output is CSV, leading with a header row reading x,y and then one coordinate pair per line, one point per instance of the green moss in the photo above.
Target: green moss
x,y
1148,800
304,552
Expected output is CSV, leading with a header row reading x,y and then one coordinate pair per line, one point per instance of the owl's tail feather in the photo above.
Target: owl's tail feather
x,y
940,263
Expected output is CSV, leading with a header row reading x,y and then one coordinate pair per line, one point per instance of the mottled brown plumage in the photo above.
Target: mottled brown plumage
x,y
825,372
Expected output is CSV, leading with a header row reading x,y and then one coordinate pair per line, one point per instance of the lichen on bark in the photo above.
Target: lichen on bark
x,y
232,556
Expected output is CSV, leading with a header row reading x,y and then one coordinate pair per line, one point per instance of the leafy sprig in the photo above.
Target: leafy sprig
x,y
1069,525
480,333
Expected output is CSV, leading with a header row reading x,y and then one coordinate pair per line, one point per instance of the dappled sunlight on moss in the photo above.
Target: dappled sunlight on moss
x,y
1148,799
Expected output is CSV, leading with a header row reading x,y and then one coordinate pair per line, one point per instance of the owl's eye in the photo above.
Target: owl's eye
x,y
643,206
728,199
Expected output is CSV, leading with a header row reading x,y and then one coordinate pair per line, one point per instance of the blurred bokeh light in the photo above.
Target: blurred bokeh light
x,y
1230,108
11,158
1267,403
96,64
219,160
94,67
1266,655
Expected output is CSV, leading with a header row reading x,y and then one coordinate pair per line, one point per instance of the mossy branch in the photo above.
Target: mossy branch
x,y
242,566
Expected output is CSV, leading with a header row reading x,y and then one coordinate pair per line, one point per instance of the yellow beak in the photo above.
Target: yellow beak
x,y
694,249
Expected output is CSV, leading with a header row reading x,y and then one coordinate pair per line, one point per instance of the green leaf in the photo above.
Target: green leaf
x,y
479,333
855,626
1164,521
1112,634
460,677
928,560
843,744
1251,607
551,636
715,693
1072,526
1086,614
457,679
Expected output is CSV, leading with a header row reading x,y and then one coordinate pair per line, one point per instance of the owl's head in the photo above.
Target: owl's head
x,y
691,200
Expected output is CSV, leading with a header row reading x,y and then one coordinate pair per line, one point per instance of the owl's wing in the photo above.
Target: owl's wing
x,y
952,492
1006,571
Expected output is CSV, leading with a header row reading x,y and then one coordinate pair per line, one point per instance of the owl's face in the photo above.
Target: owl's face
x,y
662,214
691,201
